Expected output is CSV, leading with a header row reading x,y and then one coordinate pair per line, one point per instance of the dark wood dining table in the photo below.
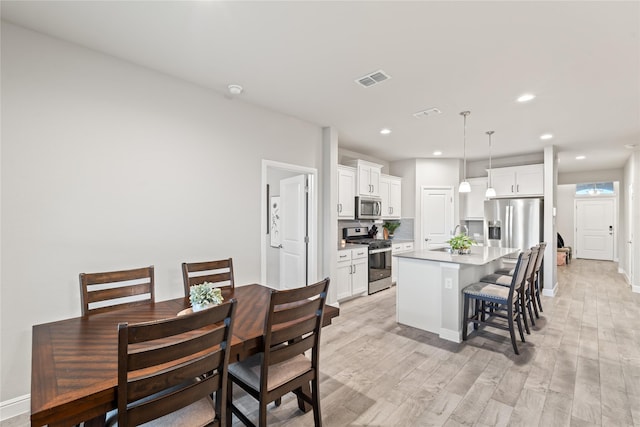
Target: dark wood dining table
x,y
74,362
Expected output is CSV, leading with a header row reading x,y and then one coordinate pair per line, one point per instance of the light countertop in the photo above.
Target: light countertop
x,y
349,246
479,255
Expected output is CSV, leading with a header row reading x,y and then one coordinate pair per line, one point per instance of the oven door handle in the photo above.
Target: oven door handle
x,y
377,251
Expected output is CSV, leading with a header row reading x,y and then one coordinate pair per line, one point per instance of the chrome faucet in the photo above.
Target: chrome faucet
x,y
464,228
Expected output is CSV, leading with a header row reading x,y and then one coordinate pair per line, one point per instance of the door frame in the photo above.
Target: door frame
x,y
616,228
420,236
312,216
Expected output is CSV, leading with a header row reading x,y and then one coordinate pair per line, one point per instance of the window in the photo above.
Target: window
x,y
595,189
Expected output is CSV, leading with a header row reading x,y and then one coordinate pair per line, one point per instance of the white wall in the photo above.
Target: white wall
x,y
591,176
345,156
627,188
106,165
565,213
478,168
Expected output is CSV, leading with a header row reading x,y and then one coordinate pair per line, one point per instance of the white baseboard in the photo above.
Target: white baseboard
x,y
550,292
450,335
635,288
14,407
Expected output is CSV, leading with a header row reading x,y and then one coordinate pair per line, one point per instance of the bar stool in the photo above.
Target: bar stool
x,y
491,301
527,291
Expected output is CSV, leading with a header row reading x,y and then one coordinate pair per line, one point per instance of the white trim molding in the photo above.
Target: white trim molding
x,y
14,407
635,288
550,292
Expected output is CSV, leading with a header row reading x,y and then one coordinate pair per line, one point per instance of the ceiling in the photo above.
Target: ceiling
x,y
580,59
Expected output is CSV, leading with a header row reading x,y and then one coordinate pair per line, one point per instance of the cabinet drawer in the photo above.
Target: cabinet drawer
x,y
344,256
407,247
396,247
359,253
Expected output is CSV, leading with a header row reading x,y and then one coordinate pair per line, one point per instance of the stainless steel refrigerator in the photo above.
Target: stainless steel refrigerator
x,y
513,223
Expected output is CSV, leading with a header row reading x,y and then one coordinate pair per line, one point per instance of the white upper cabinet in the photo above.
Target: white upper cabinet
x,y
474,201
391,195
518,181
368,182
346,192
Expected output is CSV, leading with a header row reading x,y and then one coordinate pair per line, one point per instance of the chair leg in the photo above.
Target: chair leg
x,y
278,402
529,303
303,405
228,404
315,398
521,299
518,321
512,332
538,295
465,317
532,297
262,415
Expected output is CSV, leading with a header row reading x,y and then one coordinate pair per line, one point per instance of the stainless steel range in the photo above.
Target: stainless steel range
x,y
379,256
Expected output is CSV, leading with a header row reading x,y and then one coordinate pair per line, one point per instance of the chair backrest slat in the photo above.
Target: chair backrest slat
x,y
159,362
144,386
306,308
519,274
172,402
297,329
219,272
293,324
107,291
286,352
175,349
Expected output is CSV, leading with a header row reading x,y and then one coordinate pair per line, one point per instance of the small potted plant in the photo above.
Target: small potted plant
x,y
391,226
203,295
461,243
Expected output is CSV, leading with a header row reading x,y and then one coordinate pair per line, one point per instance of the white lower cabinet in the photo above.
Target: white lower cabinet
x,y
353,274
396,248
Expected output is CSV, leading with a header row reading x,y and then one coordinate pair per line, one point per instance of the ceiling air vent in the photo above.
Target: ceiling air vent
x,y
373,78
426,113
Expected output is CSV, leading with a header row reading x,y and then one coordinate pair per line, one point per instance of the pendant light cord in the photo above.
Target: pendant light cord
x,y
464,143
490,133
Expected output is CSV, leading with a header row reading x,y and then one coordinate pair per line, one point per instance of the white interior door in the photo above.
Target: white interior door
x,y
595,228
437,216
293,229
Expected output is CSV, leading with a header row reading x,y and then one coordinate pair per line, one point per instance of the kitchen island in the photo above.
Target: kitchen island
x,y
430,283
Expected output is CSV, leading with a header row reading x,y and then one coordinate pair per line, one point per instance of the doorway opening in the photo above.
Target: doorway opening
x,y
289,225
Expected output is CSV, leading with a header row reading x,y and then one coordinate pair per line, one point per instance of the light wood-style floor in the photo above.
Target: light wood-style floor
x,y
579,367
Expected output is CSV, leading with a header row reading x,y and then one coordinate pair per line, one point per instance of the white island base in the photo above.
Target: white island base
x,y
430,283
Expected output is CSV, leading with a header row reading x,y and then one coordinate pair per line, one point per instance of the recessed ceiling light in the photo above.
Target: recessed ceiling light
x,y
546,136
235,89
437,153
385,131
581,157
526,97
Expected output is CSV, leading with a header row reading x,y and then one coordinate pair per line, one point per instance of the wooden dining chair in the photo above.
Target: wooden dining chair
x,y
219,272
169,369
292,326
115,289
493,302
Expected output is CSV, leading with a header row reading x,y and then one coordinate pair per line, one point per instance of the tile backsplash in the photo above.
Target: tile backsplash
x,y
405,231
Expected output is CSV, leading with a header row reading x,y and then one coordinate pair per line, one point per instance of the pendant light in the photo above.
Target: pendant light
x,y
465,187
491,192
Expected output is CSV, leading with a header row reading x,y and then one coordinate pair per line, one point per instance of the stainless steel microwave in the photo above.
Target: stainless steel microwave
x,y
368,207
